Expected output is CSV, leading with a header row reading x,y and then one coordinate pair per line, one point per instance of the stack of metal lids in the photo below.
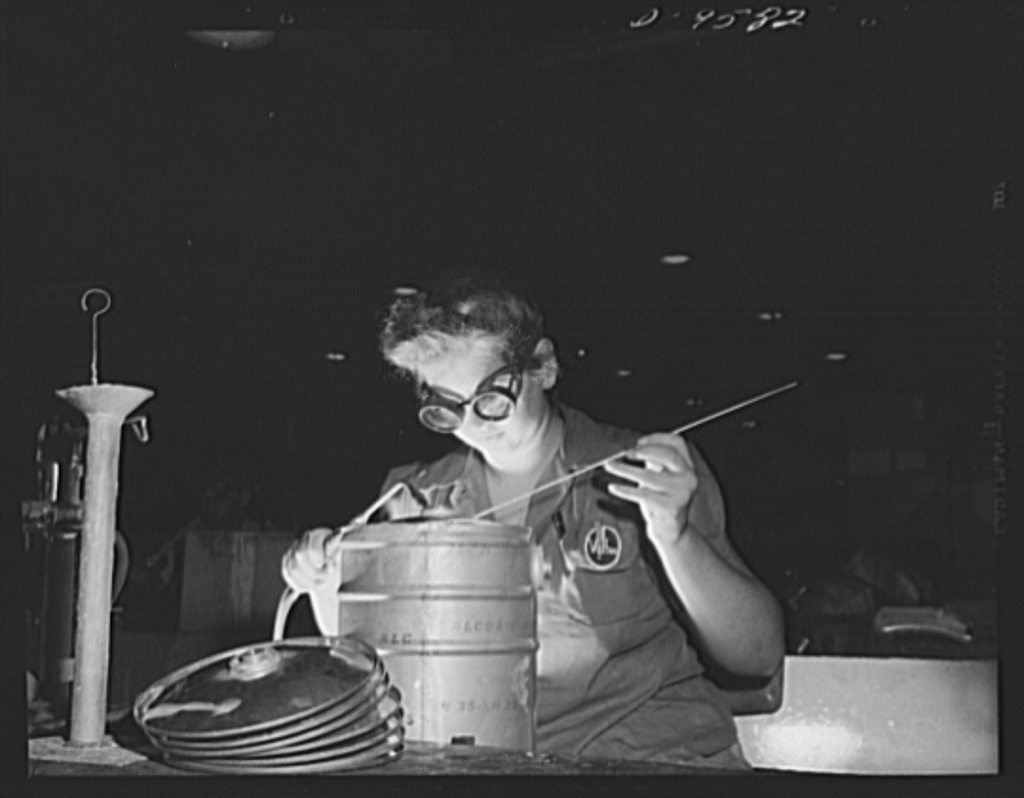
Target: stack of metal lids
x,y
302,705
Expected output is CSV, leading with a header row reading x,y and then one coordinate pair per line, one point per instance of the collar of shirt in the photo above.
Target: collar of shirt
x,y
583,442
542,504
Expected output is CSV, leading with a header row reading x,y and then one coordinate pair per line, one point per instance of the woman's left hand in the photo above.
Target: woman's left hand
x,y
663,487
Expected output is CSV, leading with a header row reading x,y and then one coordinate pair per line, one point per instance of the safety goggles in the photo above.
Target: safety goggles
x,y
494,400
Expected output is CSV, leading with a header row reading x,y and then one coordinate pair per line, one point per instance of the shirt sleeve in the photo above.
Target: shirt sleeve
x,y
402,473
403,504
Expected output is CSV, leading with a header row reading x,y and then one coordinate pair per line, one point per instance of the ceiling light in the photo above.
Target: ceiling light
x,y
336,357
770,315
623,373
233,39
675,259
647,18
836,357
406,290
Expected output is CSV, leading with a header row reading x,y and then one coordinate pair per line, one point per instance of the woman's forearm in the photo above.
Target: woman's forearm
x,y
738,619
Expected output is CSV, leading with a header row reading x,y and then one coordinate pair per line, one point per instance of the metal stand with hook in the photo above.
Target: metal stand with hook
x,y
106,407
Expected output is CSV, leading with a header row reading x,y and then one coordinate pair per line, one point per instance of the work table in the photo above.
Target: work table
x,y
418,759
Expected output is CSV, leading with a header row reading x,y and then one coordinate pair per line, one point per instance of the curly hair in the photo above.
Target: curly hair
x,y
427,325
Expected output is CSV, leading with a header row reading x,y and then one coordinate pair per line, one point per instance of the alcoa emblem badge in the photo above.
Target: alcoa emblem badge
x,y
602,547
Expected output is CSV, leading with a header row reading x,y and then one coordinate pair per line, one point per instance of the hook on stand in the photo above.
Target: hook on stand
x,y
95,326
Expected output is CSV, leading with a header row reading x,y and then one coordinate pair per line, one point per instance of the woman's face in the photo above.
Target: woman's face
x,y
457,375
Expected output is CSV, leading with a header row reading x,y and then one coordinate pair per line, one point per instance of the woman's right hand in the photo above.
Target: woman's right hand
x,y
310,566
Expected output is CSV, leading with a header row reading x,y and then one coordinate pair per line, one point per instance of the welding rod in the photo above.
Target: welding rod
x,y
599,463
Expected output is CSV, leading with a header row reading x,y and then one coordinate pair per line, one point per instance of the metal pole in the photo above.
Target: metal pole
x,y
105,407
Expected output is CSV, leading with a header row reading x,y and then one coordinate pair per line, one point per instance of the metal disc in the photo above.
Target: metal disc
x,y
378,750
390,732
297,734
330,717
212,700
371,760
256,688
388,713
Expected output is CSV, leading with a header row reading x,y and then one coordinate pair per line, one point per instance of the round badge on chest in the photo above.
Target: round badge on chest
x,y
602,547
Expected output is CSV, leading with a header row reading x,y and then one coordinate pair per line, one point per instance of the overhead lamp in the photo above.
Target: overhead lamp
x,y
405,290
336,357
675,259
770,315
624,373
649,17
836,357
233,39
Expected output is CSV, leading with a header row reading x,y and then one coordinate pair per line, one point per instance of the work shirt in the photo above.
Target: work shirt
x,y
616,676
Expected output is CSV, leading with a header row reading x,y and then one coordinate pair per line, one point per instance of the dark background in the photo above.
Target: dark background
x,y
252,211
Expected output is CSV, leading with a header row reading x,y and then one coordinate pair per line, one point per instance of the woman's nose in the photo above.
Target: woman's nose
x,y
477,429
473,422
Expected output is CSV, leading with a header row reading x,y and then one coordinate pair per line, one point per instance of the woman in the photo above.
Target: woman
x,y
616,674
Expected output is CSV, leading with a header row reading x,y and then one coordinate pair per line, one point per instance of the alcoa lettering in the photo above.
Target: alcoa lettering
x,y
496,627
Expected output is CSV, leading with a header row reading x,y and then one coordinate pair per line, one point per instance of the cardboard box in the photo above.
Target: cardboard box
x,y
232,580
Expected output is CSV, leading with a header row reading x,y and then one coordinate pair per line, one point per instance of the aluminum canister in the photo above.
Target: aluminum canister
x,y
451,607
